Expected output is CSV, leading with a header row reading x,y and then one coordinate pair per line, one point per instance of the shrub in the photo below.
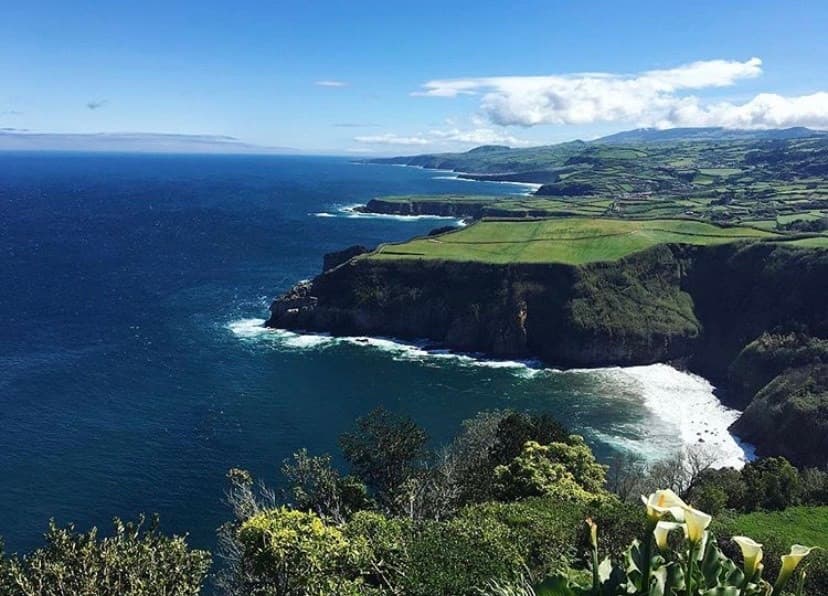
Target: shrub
x,y
387,543
287,553
460,556
562,470
315,485
770,483
134,561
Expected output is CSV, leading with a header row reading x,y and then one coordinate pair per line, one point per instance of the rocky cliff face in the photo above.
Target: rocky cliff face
x,y
425,207
630,312
699,304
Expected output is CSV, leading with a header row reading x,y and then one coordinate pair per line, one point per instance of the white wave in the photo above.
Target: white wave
x,y
350,212
400,350
248,328
529,187
685,409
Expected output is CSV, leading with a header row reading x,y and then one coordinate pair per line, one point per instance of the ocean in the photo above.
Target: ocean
x,y
134,371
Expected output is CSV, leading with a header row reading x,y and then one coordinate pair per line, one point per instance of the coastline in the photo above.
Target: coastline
x,y
532,187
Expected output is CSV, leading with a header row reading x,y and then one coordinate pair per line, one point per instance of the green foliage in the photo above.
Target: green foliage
x,y
547,531
770,483
491,439
382,449
287,553
770,355
764,484
460,556
134,561
516,428
315,485
792,411
563,470
387,542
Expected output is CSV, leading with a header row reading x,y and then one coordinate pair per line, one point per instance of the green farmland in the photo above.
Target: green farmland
x,y
567,240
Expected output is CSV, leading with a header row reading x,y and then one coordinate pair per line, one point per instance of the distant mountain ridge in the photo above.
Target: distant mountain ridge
x,y
717,133
12,139
627,137
641,160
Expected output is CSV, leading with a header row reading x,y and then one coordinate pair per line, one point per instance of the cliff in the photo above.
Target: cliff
x,y
579,316
701,304
446,208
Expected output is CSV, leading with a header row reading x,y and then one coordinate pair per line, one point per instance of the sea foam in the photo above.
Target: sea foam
x,y
350,212
686,407
529,187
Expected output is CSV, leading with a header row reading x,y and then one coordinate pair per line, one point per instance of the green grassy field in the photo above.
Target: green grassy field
x,y
567,240
795,525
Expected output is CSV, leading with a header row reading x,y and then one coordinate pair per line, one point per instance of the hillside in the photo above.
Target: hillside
x,y
774,179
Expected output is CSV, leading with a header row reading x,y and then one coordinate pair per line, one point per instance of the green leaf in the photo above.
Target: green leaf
x,y
723,591
555,586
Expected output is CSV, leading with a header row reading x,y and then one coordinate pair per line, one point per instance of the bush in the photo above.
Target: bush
x,y
460,556
770,483
134,561
563,470
287,553
315,485
387,543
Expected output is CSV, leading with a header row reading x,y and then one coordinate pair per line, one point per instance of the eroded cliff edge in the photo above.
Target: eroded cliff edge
x,y
700,305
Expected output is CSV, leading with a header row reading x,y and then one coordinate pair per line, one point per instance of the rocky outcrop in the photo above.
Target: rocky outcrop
x,y
789,416
335,259
702,305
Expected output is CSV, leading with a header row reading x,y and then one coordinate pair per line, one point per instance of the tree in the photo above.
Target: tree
x,y
516,428
134,561
383,450
716,490
567,471
315,485
770,483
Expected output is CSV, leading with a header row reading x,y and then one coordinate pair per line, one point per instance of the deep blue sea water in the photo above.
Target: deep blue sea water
x,y
134,373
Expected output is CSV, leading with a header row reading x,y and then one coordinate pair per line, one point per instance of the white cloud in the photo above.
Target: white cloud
x,y
650,98
391,139
766,110
330,83
479,136
449,138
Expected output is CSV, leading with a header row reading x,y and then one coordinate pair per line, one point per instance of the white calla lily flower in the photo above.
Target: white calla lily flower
x,y
751,553
789,565
662,502
791,561
662,532
697,522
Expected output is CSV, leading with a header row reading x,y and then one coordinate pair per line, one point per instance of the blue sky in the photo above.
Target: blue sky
x,y
393,77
